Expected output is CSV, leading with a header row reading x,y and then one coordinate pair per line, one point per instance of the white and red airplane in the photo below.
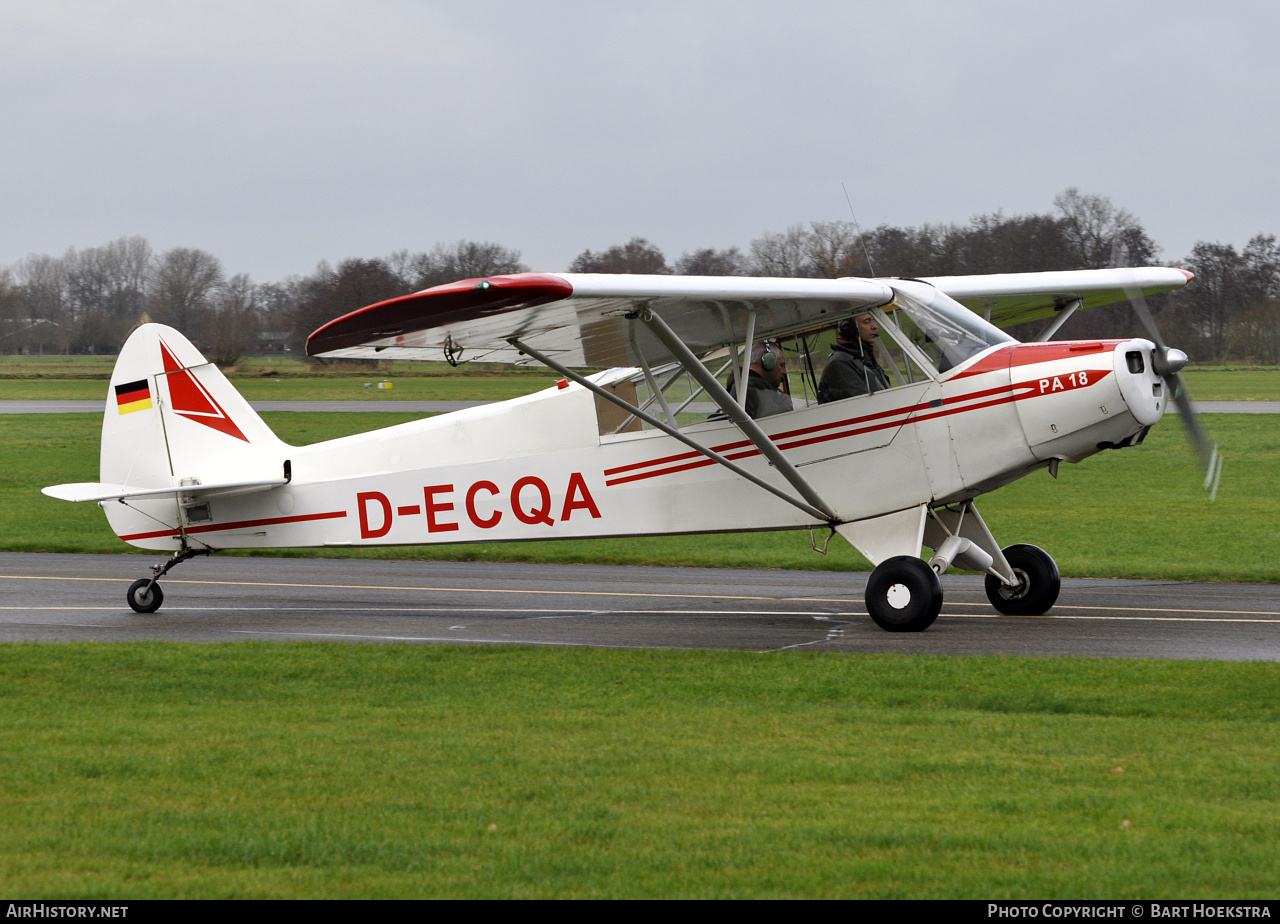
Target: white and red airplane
x,y
188,466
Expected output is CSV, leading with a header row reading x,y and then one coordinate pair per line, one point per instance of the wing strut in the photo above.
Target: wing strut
x,y
734,411
1067,311
813,511
744,372
648,374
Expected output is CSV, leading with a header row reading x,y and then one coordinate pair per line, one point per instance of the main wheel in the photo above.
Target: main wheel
x,y
144,596
1038,583
904,595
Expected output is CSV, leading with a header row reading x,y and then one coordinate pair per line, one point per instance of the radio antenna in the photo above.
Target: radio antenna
x,y
858,228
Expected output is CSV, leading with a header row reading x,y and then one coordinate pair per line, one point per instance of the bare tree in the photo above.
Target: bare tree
x,y
785,254
43,303
454,262
86,300
827,249
1262,266
406,267
635,256
12,324
1213,301
1260,320
106,291
835,249
182,283
710,262
1019,244
925,251
473,259
126,264
1092,226
1233,307
231,328
277,306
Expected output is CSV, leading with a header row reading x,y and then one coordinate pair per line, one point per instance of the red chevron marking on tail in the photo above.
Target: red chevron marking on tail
x,y
192,400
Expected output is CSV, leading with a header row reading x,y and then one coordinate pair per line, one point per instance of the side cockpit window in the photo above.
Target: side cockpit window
x,y
910,341
666,392
859,357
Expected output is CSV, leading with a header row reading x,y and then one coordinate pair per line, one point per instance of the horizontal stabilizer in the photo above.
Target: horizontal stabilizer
x,y
94,491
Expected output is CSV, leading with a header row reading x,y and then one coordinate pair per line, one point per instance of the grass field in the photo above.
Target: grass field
x,y
1135,513
150,770
84,378
291,770
1233,383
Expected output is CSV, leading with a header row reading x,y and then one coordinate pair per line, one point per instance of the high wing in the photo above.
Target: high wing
x,y
1015,298
581,318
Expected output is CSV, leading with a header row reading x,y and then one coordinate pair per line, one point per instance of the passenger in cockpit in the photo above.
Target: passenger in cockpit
x,y
852,368
767,374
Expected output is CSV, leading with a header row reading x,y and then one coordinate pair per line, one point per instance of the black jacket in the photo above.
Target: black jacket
x,y
851,370
765,400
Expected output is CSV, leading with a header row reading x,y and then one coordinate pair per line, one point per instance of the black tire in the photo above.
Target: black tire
x,y
904,595
1039,585
144,596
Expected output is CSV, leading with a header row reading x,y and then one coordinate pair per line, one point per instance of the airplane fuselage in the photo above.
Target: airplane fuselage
x,y
538,467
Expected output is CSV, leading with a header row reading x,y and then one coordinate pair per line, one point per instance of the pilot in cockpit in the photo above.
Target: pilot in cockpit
x,y
853,368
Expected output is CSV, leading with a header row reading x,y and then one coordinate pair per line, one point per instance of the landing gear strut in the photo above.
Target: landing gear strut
x,y
144,595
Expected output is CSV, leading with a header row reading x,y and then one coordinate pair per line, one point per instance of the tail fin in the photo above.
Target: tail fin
x,y
172,414
171,419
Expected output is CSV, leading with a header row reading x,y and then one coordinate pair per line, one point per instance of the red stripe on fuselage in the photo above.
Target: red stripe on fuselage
x,y
742,444
1026,354
241,524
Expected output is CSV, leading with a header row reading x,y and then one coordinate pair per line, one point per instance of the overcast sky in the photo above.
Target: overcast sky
x,y
277,134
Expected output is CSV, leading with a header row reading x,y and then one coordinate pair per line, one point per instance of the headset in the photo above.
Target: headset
x,y
769,358
848,328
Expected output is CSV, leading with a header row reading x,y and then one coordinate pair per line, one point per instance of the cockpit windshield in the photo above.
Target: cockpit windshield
x,y
947,332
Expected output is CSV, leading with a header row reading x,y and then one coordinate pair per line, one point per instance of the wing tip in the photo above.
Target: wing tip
x,y
466,296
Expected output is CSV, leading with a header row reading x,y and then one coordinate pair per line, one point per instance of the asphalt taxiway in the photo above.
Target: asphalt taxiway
x,y
52,597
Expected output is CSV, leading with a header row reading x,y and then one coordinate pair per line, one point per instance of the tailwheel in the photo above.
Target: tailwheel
x,y
145,595
904,595
1038,583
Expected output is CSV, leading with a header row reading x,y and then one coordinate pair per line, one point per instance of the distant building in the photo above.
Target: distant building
x,y
272,342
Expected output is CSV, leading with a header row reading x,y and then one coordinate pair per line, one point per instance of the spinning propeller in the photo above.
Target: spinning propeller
x,y
1168,363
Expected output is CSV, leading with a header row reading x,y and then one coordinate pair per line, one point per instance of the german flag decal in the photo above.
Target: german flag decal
x,y
135,396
